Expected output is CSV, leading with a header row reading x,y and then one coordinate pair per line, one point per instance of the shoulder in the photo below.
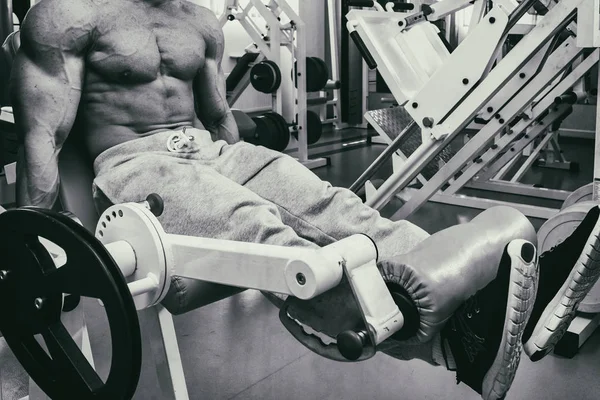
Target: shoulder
x,y
67,24
203,18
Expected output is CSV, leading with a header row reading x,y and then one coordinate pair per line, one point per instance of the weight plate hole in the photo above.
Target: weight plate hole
x,y
108,218
114,214
120,213
103,224
101,233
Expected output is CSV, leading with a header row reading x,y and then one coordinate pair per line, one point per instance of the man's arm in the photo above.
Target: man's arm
x,y
210,87
46,83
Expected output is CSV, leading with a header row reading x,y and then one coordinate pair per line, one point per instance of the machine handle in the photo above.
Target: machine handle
x,y
364,51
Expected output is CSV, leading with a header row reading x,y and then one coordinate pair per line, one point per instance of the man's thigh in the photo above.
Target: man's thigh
x,y
199,201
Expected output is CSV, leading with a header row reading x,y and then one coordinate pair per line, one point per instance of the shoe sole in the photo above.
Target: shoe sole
x,y
521,297
561,310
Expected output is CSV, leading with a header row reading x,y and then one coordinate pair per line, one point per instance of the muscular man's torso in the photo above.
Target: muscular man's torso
x,y
139,71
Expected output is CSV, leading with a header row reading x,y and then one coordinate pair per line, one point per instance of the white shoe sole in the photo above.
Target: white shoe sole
x,y
561,310
521,297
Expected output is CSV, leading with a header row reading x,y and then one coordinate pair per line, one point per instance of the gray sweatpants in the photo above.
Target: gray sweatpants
x,y
240,192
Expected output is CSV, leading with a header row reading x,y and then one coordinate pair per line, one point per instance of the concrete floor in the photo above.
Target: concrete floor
x,y
237,348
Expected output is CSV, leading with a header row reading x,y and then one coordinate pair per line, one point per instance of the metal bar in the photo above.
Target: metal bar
x,y
475,145
160,335
519,12
513,155
334,54
519,189
502,143
530,160
555,20
596,177
484,204
506,168
384,157
429,149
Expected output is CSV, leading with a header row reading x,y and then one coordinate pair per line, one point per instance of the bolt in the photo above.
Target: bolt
x,y
490,109
497,116
492,20
522,75
428,122
39,303
501,120
301,279
415,105
400,23
465,81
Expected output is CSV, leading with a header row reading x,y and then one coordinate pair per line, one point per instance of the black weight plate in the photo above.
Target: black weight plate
x,y
265,132
312,75
284,131
277,71
272,136
314,127
89,271
266,77
323,76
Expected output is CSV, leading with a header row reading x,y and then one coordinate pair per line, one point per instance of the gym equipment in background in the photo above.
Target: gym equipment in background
x,y
273,131
512,102
285,33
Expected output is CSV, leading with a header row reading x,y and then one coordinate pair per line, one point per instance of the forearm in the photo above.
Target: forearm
x,y
225,129
37,176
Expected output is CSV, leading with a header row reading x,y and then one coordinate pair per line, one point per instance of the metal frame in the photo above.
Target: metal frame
x,y
525,58
521,89
300,272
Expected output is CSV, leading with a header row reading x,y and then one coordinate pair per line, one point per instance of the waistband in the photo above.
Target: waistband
x,y
184,140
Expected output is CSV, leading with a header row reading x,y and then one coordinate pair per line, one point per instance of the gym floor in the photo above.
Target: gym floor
x,y
238,349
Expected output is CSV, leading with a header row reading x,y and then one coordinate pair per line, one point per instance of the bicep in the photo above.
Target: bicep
x,y
46,80
46,101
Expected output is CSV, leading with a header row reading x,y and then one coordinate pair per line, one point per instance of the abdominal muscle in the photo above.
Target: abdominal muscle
x,y
112,114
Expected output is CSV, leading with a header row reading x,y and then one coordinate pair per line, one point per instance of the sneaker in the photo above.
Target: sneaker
x,y
484,334
568,272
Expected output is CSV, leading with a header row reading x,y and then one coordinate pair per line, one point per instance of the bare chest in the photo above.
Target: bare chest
x,y
141,48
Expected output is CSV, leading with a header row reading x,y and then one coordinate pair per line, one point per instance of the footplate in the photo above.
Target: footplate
x,y
381,317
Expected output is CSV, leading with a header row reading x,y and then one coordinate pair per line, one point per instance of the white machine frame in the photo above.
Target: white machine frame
x,y
523,85
447,112
147,256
